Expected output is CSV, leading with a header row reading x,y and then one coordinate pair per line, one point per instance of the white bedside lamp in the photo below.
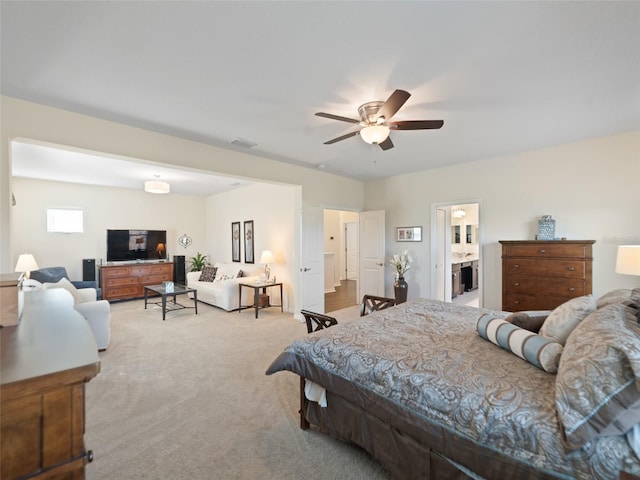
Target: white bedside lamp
x,y
267,258
26,263
628,261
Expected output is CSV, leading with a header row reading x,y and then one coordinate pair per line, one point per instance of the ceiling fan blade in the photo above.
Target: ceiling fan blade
x,y
417,124
343,137
387,144
337,117
393,104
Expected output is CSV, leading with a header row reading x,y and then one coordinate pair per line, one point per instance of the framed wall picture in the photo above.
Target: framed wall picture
x,y
235,241
248,241
409,234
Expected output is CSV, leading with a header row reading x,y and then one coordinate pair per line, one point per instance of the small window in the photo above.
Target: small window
x,y
64,220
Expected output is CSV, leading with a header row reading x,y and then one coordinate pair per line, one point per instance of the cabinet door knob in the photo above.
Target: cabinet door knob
x,y
542,250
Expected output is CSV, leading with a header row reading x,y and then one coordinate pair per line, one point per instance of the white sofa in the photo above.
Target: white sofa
x,y
96,312
223,290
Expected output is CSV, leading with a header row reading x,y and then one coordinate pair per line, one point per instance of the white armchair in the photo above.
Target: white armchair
x,y
96,312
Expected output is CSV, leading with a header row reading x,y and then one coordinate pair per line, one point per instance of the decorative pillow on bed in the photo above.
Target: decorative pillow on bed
x,y
208,274
598,382
624,296
539,351
561,321
530,320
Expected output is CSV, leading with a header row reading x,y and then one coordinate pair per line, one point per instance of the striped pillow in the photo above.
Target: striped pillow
x,y
538,351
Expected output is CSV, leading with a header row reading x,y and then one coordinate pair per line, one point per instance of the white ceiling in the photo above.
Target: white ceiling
x,y
504,76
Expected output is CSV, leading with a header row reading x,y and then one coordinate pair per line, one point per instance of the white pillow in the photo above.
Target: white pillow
x,y
226,272
68,286
561,321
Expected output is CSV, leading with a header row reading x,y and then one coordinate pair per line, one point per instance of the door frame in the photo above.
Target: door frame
x,y
434,247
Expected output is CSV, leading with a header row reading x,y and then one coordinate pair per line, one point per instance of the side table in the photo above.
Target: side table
x,y
256,295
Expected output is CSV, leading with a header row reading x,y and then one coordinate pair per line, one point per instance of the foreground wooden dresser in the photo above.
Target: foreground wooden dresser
x,y
45,362
124,281
540,275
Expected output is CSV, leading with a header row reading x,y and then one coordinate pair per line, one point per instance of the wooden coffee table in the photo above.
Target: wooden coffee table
x,y
174,292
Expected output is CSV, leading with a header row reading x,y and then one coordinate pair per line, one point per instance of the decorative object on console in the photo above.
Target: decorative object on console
x,y
546,228
185,240
198,262
267,258
26,264
235,241
160,248
156,186
628,260
401,264
248,242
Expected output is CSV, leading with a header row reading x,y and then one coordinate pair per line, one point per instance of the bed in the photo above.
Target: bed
x,y
427,396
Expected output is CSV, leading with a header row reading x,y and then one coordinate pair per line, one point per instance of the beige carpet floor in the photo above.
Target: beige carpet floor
x,y
188,398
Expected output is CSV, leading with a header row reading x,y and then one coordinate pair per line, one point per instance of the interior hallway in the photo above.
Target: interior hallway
x,y
343,297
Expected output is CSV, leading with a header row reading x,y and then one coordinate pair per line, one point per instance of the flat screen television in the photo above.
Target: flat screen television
x,y
130,245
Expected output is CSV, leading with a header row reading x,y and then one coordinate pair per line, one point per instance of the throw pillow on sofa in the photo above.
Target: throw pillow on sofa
x,y
208,274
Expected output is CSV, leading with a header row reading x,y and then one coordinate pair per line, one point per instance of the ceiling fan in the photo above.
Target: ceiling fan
x,y
375,122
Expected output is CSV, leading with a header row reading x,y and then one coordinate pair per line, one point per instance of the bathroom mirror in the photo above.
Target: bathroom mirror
x,y
471,234
455,234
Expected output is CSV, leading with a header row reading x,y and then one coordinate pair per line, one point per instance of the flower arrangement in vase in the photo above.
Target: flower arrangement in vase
x,y
401,264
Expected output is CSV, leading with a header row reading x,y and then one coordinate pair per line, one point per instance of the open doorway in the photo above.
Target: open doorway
x,y
341,259
456,240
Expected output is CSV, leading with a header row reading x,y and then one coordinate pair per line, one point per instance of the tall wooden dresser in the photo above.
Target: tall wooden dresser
x,y
542,274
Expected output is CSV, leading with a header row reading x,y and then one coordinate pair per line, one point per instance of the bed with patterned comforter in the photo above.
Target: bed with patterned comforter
x,y
418,388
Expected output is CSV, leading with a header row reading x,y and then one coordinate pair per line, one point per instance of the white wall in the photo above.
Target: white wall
x,y
590,188
20,119
273,211
104,208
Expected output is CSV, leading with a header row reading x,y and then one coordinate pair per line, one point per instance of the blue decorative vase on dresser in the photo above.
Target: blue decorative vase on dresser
x,y
546,228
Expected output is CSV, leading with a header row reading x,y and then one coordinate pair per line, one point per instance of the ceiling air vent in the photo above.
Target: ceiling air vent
x,y
242,142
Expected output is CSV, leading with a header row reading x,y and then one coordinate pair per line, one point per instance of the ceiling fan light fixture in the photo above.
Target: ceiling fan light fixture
x,y
156,186
375,134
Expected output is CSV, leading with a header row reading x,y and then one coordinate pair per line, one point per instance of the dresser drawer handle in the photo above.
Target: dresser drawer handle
x,y
516,284
571,289
516,266
516,302
542,250
572,269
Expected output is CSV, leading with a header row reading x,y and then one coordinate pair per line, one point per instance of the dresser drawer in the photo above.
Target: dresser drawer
x,y
164,269
553,250
138,271
516,302
560,287
124,292
121,281
115,272
152,279
537,267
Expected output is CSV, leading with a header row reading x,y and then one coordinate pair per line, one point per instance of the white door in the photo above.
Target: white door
x,y
372,252
441,253
312,261
351,241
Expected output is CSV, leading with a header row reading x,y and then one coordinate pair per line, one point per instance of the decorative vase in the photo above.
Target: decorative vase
x,y
546,228
400,288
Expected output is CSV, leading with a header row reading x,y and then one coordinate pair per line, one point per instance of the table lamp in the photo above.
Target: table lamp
x,y
628,261
26,263
160,249
267,258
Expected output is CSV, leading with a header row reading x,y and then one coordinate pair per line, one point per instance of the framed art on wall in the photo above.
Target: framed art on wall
x,y
409,234
248,241
235,241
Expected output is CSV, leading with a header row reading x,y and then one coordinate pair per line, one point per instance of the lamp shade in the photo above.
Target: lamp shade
x,y
26,263
267,257
375,134
156,186
628,261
